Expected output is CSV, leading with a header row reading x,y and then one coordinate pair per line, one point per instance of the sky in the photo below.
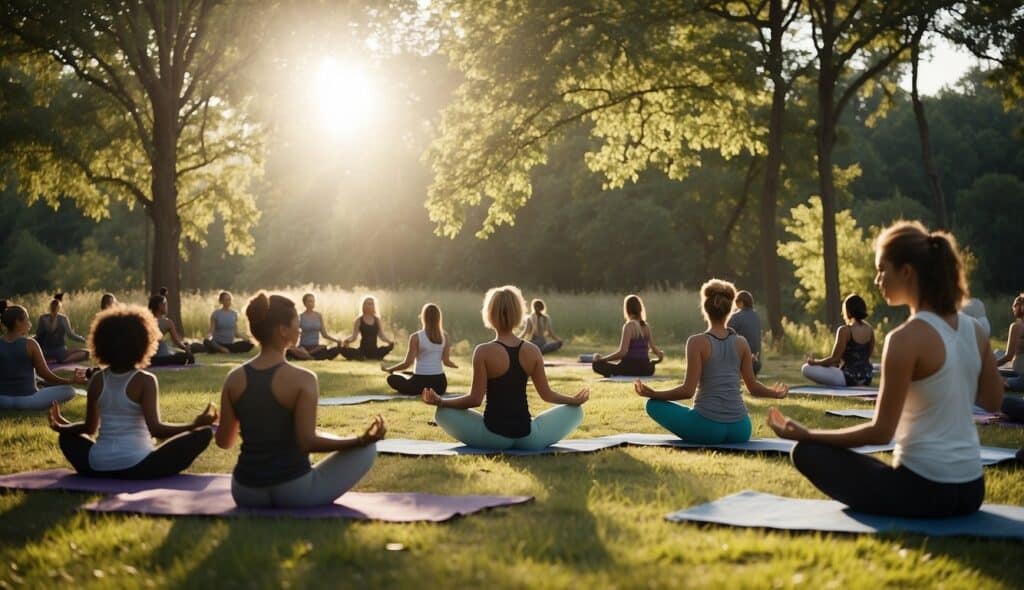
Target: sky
x,y
943,67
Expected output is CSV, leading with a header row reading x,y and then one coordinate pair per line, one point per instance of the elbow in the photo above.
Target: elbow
x,y
880,434
224,442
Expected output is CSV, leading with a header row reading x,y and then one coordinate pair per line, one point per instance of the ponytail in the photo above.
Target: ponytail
x,y
430,317
934,257
55,303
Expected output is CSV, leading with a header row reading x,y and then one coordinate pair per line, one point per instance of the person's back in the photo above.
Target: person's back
x,y
856,363
936,436
124,439
162,348
270,452
17,377
639,344
51,333
718,395
747,323
507,412
429,357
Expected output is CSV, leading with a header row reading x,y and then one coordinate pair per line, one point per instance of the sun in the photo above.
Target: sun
x,y
344,96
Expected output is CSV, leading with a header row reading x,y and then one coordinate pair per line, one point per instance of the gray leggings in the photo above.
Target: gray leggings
x,y
545,346
320,486
40,400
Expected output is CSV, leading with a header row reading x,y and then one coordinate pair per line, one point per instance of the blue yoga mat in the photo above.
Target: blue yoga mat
x,y
755,445
826,391
756,510
420,448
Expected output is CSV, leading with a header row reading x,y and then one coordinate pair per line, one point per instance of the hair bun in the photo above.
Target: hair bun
x,y
58,296
258,308
163,291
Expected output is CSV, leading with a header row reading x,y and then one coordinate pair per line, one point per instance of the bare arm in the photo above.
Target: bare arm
x,y
227,430
551,331
175,338
70,331
1011,344
623,346
540,381
380,324
323,331
43,370
309,439
410,355
150,402
990,384
477,389
755,387
92,413
654,347
842,337
696,348
446,358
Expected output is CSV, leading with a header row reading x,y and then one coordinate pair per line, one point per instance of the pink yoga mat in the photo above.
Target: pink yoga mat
x,y
210,495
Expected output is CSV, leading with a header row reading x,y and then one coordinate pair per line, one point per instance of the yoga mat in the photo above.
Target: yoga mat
x,y
353,400
420,448
823,390
755,445
980,416
587,358
210,495
68,367
564,362
629,379
751,509
1005,372
173,368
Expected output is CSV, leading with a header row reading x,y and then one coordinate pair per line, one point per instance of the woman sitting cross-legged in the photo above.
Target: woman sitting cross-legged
x,y
163,355
52,332
311,326
538,328
124,405
272,404
501,369
633,346
935,367
21,359
367,327
429,349
715,361
849,365
223,337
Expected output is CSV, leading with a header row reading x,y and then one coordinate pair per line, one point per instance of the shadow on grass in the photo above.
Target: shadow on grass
x,y
38,512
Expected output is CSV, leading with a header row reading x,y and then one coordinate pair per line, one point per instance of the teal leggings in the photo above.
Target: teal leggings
x,y
546,428
690,426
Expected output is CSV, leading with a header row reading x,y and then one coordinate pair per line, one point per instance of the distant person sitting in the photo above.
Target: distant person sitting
x,y
311,324
52,332
21,359
976,309
429,348
223,336
273,404
715,362
636,340
368,328
538,328
123,405
747,323
1015,346
107,301
501,370
164,356
849,365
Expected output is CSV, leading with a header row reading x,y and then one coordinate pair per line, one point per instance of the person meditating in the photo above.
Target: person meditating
x,y
538,328
1015,346
715,362
223,337
272,404
633,346
429,348
311,325
849,365
935,367
501,370
747,323
53,329
367,327
164,356
21,359
123,404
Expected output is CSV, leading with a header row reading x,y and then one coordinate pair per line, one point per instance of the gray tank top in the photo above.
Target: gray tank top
x,y
718,394
224,324
17,377
310,327
270,454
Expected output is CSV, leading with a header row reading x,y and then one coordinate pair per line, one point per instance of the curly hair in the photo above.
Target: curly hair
x,y
124,337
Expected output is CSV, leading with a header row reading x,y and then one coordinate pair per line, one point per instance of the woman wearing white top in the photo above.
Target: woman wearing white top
x,y
430,349
123,404
935,367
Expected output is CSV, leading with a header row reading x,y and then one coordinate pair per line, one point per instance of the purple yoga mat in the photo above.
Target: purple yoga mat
x,y
210,495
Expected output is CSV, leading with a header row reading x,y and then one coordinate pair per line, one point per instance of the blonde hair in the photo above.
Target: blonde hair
x,y
717,297
430,317
503,308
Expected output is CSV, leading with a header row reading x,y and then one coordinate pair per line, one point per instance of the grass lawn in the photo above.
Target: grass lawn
x,y
596,522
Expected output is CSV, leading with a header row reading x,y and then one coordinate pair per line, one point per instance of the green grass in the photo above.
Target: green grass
x,y
597,521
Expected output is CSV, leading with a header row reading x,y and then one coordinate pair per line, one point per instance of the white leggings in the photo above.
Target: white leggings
x,y
40,400
321,486
831,376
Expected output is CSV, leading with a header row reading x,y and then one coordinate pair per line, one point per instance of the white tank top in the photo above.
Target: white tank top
x,y
428,361
124,438
936,437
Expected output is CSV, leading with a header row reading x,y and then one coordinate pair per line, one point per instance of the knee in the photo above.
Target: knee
x,y
804,369
805,455
365,456
573,414
656,407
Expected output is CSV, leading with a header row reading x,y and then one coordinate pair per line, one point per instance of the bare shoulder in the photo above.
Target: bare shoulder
x,y
298,373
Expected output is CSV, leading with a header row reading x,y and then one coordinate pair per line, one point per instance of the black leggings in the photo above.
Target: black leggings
x,y
866,484
173,456
359,354
414,385
627,366
177,358
321,353
236,346
1013,407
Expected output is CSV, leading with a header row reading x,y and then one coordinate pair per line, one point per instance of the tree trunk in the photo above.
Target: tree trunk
x,y
191,272
772,291
165,271
924,136
826,138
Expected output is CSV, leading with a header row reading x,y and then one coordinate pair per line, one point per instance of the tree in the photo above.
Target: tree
x,y
988,220
659,83
135,101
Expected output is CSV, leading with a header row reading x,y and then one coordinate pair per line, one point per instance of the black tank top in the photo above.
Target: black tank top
x,y
270,454
507,412
368,336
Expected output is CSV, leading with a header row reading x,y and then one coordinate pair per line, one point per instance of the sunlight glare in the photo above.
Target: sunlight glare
x,y
344,96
